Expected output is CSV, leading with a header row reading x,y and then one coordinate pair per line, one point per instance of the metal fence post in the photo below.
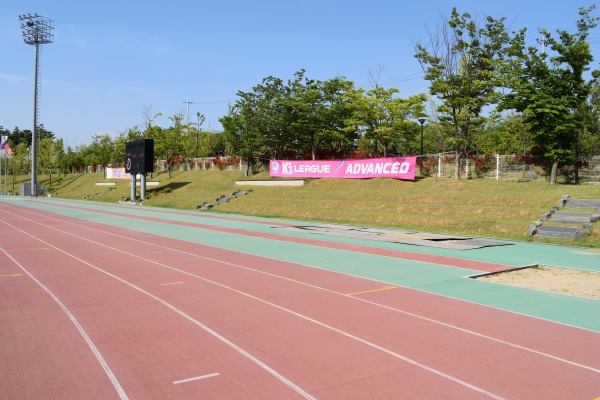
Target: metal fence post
x,y
530,172
497,167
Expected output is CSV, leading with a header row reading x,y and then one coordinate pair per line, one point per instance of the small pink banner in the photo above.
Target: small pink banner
x,y
116,173
395,167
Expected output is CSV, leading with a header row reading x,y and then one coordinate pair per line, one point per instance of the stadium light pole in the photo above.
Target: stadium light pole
x,y
36,31
422,121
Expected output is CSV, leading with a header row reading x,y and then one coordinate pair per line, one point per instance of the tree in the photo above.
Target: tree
x,y
19,136
273,113
197,131
73,159
211,144
461,60
21,158
589,141
258,123
385,119
51,154
319,110
550,91
241,132
168,143
102,150
504,134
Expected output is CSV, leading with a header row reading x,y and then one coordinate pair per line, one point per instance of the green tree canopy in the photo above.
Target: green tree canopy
x,y
550,90
461,60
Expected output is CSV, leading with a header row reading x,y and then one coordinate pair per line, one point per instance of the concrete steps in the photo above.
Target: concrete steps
x,y
585,219
562,232
583,203
222,199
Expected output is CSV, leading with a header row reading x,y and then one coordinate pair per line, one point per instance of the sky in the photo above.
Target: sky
x,y
112,61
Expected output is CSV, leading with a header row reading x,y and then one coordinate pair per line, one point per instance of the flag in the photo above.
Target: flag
x,y
4,146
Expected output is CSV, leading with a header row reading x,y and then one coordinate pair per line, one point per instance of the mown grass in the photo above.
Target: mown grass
x,y
478,207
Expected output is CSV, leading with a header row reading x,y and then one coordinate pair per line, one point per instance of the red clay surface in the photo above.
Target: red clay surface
x,y
90,311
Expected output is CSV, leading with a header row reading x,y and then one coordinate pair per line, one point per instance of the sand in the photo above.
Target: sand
x,y
561,280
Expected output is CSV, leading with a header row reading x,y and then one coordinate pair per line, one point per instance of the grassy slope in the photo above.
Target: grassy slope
x,y
479,207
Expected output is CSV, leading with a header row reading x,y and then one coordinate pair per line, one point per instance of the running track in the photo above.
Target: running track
x,y
111,302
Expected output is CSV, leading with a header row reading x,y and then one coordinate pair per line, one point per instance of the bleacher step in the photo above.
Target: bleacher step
x,y
562,232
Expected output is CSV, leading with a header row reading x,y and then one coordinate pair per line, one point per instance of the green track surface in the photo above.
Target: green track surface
x,y
425,276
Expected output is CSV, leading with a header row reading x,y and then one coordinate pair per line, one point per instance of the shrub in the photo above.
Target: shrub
x,y
427,165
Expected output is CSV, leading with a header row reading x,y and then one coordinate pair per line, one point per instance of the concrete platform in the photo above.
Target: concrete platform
x,y
296,182
434,240
583,203
562,232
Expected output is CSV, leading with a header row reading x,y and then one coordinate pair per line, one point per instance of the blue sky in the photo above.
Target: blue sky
x,y
113,59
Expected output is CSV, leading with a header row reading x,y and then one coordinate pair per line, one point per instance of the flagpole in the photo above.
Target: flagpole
x,y
5,173
3,153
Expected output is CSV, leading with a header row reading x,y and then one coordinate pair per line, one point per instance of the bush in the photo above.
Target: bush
x,y
485,164
427,165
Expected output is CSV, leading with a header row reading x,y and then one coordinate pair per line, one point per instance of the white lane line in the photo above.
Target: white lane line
x,y
237,348
196,378
434,321
231,344
171,283
88,340
421,317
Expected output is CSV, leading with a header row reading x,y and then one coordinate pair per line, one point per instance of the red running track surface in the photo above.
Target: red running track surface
x,y
90,311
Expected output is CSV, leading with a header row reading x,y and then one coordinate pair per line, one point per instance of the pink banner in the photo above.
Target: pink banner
x,y
116,173
396,167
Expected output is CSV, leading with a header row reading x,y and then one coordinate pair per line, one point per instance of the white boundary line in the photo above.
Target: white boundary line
x,y
88,340
231,344
458,328
264,366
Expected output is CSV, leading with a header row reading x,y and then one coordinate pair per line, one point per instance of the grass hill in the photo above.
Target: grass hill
x,y
478,207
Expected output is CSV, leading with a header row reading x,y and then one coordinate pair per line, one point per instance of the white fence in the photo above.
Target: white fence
x,y
504,167
198,164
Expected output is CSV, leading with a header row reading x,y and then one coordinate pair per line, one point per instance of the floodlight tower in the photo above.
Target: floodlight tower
x,y
36,30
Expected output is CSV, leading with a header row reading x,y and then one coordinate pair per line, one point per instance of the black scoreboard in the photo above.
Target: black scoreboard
x,y
139,156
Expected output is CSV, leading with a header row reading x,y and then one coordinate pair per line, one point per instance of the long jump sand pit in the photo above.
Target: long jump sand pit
x,y
552,279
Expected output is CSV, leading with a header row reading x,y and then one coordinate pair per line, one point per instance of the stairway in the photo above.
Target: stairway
x,y
572,224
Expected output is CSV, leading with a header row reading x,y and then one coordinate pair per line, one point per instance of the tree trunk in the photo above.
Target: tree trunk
x,y
457,165
247,170
554,171
577,159
457,149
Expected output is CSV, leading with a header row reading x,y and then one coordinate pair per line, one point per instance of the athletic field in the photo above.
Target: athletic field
x,y
108,301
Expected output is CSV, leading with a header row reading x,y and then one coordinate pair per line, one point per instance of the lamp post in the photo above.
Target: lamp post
x,y
36,30
422,121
